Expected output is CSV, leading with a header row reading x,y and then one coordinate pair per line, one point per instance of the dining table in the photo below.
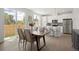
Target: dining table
x,y
38,35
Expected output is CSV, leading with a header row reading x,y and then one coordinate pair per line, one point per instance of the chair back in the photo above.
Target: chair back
x,y
20,33
28,35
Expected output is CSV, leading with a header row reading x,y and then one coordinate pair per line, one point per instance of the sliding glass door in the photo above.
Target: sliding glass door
x,y
10,22
13,20
20,20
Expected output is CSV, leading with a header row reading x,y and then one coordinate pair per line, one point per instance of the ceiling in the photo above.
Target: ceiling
x,y
50,11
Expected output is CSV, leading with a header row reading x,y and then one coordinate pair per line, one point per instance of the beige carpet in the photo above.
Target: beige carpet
x,y
63,43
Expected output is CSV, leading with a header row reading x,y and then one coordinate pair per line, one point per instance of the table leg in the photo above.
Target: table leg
x,y
44,40
38,43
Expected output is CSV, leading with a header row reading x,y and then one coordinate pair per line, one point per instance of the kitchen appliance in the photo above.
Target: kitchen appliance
x,y
67,26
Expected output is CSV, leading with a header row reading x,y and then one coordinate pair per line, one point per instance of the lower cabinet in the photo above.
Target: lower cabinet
x,y
75,39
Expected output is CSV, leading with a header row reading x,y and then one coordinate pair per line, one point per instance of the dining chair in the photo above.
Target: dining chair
x,y
22,37
30,38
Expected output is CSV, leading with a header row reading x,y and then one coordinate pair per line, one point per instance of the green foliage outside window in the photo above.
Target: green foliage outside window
x,y
9,19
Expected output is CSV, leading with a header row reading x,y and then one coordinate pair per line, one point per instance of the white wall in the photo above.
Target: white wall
x,y
50,18
59,17
1,25
63,16
76,18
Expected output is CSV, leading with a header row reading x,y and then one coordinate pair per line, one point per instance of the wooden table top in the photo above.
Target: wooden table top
x,y
38,33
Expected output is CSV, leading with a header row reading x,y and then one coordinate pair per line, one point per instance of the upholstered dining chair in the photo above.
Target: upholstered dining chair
x,y
22,37
30,38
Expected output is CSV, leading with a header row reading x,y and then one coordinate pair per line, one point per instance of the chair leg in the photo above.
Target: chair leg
x,y
19,43
31,45
25,44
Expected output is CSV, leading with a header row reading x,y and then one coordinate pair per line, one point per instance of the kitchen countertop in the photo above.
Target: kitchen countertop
x,y
76,31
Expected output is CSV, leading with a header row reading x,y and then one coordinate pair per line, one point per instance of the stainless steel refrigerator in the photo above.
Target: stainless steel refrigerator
x,y
67,26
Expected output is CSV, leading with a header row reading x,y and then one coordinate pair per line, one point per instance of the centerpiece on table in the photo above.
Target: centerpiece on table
x,y
31,25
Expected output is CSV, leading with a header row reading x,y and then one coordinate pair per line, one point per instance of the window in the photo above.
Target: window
x,y
9,16
10,21
20,19
13,20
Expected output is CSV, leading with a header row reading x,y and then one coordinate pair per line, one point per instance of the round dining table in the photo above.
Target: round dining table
x,y
39,34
